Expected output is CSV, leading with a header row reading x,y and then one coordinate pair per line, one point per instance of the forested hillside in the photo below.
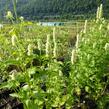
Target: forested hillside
x,y
33,9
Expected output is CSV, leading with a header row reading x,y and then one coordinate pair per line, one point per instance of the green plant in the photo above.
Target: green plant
x,y
31,66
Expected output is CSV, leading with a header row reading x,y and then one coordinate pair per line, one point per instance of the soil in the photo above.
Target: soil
x,y
7,102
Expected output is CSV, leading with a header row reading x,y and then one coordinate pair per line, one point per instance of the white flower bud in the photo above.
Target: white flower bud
x,y
106,46
21,18
9,15
1,26
60,73
39,44
13,39
100,28
97,15
101,11
77,41
55,50
30,50
73,57
85,27
12,76
55,44
48,45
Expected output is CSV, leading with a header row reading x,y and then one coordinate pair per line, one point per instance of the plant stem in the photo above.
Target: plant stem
x,y
15,9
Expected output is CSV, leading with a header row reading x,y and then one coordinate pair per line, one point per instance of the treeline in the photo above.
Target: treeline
x,y
55,9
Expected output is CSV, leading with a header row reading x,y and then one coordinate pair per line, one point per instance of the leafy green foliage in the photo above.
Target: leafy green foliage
x,y
44,81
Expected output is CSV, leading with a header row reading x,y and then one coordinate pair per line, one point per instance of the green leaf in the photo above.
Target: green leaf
x,y
16,95
32,71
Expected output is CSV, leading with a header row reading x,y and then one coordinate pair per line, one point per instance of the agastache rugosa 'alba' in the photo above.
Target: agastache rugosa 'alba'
x,y
85,27
73,57
48,45
54,41
13,39
29,49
